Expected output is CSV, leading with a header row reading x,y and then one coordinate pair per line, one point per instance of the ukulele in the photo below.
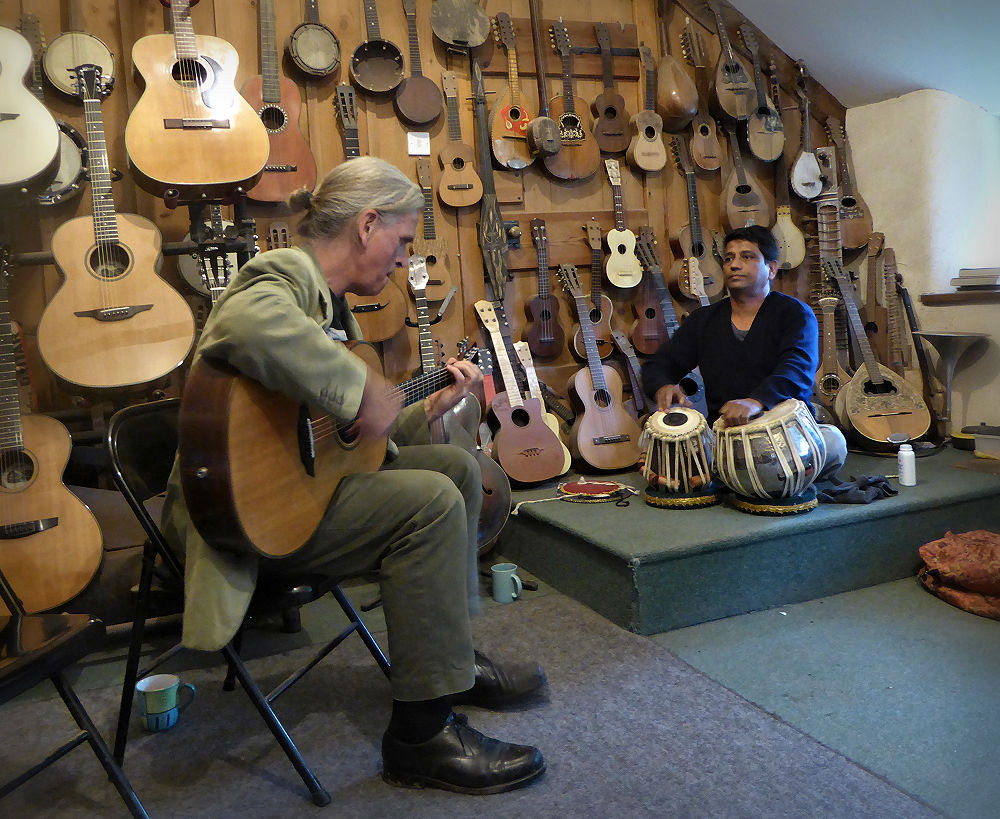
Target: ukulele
x,y
705,148
52,545
697,273
510,117
830,376
418,98
791,242
601,309
29,138
806,176
855,217
526,447
649,331
523,352
676,92
290,164
743,196
622,267
734,89
312,46
543,132
432,248
578,157
637,404
74,48
376,64
114,322
189,108
604,434
646,152
459,185
259,469
765,131
544,334
873,314
347,112
609,107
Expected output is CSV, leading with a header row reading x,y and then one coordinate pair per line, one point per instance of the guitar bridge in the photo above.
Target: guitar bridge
x,y
369,308
612,439
11,531
307,442
193,123
286,168
113,313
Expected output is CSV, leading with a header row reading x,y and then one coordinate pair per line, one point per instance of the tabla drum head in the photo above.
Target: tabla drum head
x,y
677,422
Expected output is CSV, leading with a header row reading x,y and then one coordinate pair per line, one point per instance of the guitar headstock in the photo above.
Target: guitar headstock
x,y
692,45
621,340
416,274
835,128
487,315
503,31
570,280
835,270
681,155
89,83
749,38
646,57
409,7
346,106
603,37
449,82
277,235
645,251
424,172
480,356
594,234
801,81
875,243
614,171
560,39
538,235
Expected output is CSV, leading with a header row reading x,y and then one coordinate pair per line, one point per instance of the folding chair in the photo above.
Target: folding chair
x,y
142,441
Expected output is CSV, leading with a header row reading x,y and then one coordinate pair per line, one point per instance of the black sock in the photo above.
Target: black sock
x,y
419,720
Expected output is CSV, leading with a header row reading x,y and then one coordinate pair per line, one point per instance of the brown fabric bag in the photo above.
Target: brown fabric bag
x,y
964,570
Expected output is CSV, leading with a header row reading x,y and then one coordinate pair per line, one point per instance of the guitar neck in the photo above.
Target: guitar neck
x,y
781,197
634,368
596,274
693,211
651,87
543,269
411,26
720,26
857,326
898,348
503,348
513,80
425,341
312,12
806,130
424,177
619,206
536,43
105,218
11,435
734,145
569,102
590,342
371,20
607,58
185,45
271,85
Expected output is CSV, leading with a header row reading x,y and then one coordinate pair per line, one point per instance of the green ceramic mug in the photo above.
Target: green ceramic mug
x,y
160,693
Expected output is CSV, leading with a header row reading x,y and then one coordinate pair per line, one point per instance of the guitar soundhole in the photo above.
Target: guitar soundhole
x,y
520,417
431,261
650,313
273,118
109,261
610,113
885,388
458,163
650,133
743,190
18,471
189,73
697,249
602,399
848,201
595,316
621,250
829,385
704,130
546,315
514,113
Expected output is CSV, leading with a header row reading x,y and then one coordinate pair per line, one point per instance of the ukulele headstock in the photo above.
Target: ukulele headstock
x,y
594,235
449,82
416,274
346,106
560,39
538,234
487,315
503,31
614,171
603,37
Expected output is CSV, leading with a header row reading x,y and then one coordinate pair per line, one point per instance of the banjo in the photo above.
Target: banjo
x,y
460,23
377,64
76,47
313,47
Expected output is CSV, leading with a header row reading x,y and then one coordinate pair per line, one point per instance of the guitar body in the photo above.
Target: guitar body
x,y
649,331
526,447
459,184
735,91
600,318
113,351
380,317
705,148
711,272
603,417
676,94
418,100
609,129
578,156
31,490
438,260
791,242
622,266
806,178
876,416
509,134
746,203
216,159
290,163
646,151
544,334
765,132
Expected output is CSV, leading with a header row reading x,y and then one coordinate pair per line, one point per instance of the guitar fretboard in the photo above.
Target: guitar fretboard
x,y
411,27
312,11
185,46
105,219
693,212
271,86
11,436
371,20
424,178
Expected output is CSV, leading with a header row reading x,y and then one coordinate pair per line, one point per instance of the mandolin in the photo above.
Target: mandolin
x,y
604,434
601,308
543,132
806,176
523,352
510,117
312,46
459,185
676,92
743,196
114,322
734,88
705,148
609,107
697,273
637,405
830,376
898,355
646,152
855,217
51,542
74,48
290,164
791,242
622,266
418,98
765,131
873,314
544,334
376,64
578,157
429,246
190,109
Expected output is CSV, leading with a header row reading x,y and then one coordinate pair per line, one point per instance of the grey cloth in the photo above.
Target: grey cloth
x,y
863,489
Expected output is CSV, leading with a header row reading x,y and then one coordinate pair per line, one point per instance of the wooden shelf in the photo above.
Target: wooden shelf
x,y
961,297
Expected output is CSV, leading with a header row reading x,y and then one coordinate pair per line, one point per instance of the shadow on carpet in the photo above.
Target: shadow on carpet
x,y
626,729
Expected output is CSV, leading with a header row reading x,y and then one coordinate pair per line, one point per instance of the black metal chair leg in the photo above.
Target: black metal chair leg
x,y
237,643
363,632
319,794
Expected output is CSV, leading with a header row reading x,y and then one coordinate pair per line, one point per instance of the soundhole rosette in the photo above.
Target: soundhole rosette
x,y
274,117
17,470
190,73
108,261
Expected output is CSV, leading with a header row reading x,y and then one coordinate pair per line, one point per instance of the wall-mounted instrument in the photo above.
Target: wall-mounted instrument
x,y
29,137
535,391
805,175
745,199
578,157
705,148
461,24
42,524
459,185
510,116
622,266
637,404
543,132
376,64
114,322
765,131
873,313
207,269
734,88
646,152
544,333
697,274
830,376
312,46
275,98
791,242
601,308
190,109
418,98
604,434
609,107
651,328
676,92
855,217
432,248
347,112
76,47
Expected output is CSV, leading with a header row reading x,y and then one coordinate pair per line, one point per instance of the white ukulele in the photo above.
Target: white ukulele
x,y
622,266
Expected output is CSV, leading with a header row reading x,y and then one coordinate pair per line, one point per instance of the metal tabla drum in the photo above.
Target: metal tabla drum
x,y
772,461
676,460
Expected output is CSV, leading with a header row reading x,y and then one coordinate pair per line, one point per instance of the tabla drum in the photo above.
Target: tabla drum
x,y
772,461
676,449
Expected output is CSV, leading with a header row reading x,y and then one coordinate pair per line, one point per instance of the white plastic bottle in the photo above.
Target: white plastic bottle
x,y
907,466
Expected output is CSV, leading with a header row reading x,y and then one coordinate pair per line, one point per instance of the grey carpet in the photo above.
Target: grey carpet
x,y
626,727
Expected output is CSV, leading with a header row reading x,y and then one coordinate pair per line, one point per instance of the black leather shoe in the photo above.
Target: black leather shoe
x,y
461,759
498,686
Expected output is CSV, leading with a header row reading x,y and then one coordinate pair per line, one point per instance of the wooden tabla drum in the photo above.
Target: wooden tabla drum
x,y
772,461
676,460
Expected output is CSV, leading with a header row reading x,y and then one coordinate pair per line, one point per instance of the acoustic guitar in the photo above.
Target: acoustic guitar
x,y
601,308
459,185
734,88
290,164
806,177
697,273
746,202
418,98
604,434
52,545
190,109
855,217
651,328
544,334
523,352
376,64
791,242
622,266
646,152
609,107
765,131
705,148
114,323
428,245
510,116
258,469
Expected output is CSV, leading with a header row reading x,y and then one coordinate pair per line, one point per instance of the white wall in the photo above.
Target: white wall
x,y
928,165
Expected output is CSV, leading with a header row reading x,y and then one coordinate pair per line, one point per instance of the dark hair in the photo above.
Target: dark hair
x,y
758,235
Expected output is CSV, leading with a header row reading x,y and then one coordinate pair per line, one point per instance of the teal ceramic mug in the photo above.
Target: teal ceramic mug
x,y
161,694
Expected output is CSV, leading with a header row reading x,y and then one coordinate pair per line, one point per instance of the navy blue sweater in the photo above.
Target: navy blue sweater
x,y
777,359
